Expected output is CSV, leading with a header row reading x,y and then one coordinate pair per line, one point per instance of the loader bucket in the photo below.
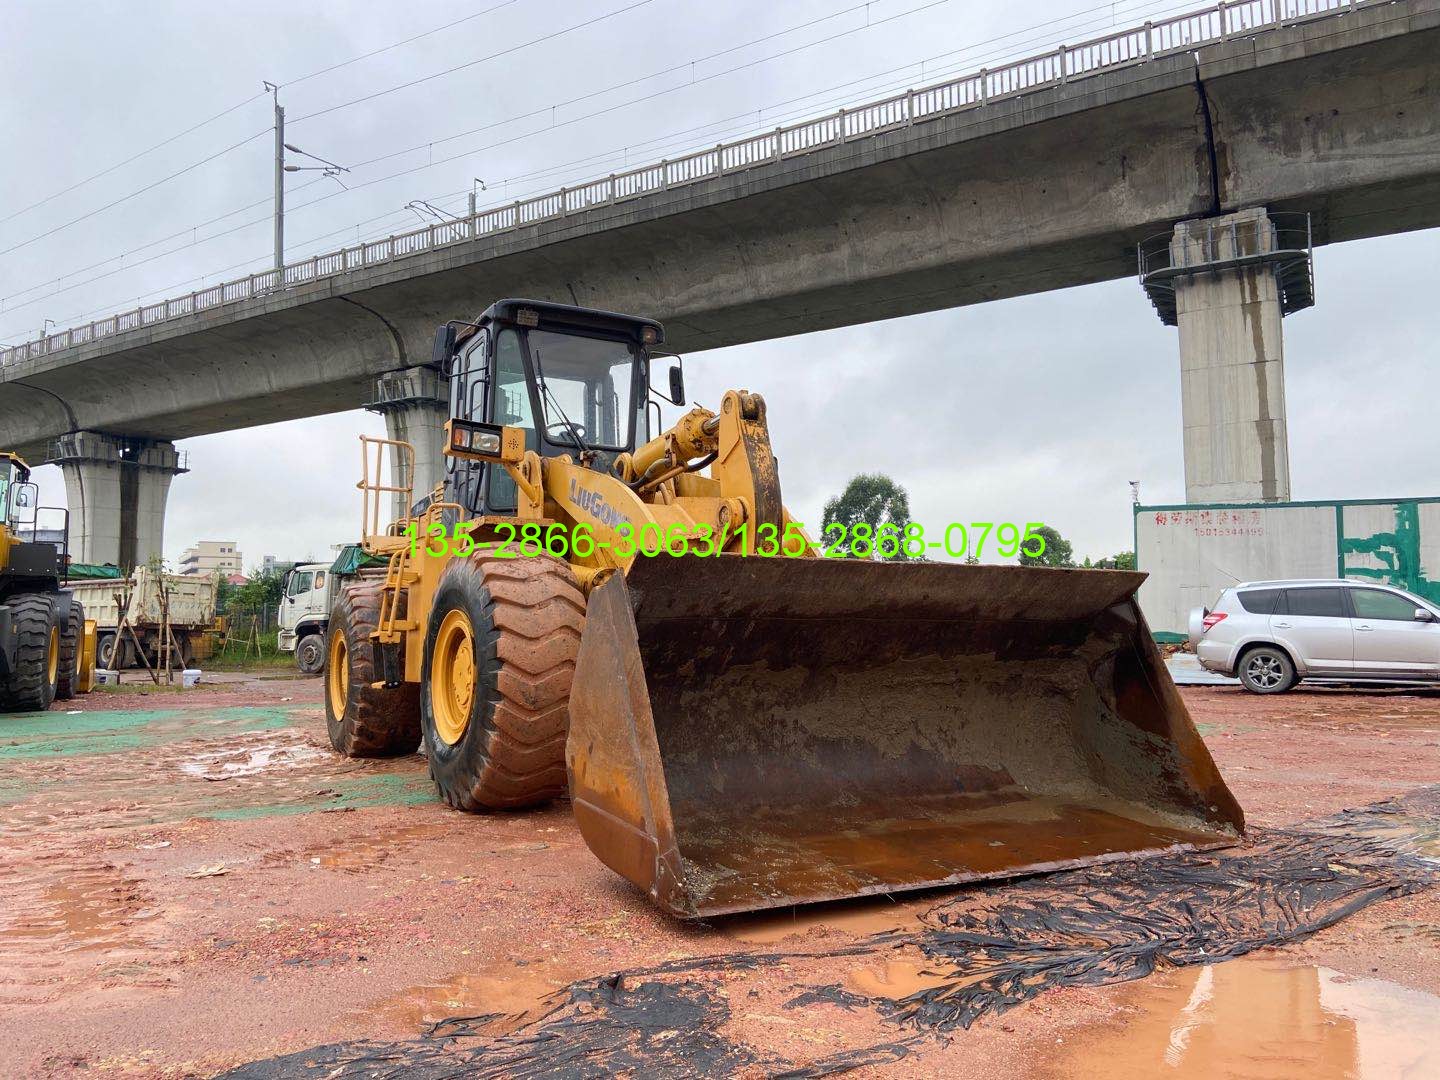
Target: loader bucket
x,y
748,733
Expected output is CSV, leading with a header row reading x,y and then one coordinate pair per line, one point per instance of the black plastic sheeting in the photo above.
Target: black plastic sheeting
x,y
999,946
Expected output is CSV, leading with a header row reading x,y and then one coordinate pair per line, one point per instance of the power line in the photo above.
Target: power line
x,y
127,161
690,64
395,45
133,194
241,104
1109,8
479,60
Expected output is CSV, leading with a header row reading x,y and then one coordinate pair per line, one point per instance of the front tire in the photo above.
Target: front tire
x,y
500,655
310,654
1267,670
364,721
69,679
32,685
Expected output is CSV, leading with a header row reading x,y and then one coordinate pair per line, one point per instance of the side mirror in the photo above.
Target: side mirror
x,y
1424,615
22,498
677,385
444,347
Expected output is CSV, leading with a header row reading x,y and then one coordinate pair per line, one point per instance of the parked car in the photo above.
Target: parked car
x,y
1272,634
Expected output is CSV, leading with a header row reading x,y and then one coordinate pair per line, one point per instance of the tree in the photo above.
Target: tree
x,y
871,499
1125,560
1057,550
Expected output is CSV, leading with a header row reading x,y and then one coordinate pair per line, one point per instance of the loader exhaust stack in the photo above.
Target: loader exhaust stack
x,y
749,733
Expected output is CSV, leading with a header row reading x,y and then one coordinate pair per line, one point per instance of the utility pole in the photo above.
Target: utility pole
x,y
279,176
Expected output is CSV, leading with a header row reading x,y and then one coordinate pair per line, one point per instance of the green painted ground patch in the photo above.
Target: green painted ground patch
x,y
32,735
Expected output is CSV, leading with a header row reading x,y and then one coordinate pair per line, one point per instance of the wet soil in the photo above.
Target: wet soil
x,y
192,881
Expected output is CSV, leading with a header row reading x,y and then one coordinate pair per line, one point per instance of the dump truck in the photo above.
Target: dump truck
x,y
308,594
47,647
188,601
589,606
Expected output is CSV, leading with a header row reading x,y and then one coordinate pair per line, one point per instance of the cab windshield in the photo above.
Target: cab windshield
x,y
587,384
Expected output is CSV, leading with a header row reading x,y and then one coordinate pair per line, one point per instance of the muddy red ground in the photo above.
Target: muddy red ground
x,y
193,881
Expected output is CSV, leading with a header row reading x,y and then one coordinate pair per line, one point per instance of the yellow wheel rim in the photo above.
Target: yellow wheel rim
x,y
337,674
452,676
52,656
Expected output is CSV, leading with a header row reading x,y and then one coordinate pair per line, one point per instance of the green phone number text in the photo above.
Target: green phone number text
x,y
860,541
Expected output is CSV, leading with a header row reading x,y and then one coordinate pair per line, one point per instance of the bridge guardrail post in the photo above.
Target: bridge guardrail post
x,y
984,86
1149,40
1064,75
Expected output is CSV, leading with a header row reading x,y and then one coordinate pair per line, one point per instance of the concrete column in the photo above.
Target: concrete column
x,y
1232,359
116,488
415,405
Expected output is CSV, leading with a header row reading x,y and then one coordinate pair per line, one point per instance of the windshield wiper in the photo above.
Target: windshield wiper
x,y
580,443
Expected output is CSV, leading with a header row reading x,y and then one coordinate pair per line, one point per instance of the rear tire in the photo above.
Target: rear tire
x,y
31,686
69,679
310,654
1267,670
105,652
364,721
500,655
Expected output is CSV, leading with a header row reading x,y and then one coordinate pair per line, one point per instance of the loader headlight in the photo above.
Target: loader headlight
x,y
487,442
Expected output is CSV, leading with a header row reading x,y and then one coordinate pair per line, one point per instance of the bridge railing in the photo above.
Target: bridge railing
x,y
1068,63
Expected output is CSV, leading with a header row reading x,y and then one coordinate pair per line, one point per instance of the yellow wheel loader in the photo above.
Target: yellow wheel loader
x,y
47,648
588,605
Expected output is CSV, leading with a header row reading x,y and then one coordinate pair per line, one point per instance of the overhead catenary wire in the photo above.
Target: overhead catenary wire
x,y
1108,8
241,104
551,36
549,108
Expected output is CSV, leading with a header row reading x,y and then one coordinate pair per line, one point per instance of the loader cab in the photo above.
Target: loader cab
x,y
575,380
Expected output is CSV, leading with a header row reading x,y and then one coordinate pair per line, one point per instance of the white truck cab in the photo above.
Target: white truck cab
x,y
305,614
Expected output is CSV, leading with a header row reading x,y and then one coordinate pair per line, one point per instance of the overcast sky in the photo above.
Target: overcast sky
x,y
1039,408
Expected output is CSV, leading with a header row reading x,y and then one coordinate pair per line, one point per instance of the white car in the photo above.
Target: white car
x,y
1272,634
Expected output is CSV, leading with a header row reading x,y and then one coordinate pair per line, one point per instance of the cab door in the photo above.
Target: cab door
x,y
1314,623
1389,640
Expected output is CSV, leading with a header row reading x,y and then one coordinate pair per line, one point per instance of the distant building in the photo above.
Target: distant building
x,y
267,564
209,557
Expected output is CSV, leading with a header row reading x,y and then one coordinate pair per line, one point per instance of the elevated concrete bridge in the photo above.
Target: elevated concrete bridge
x,y
1041,175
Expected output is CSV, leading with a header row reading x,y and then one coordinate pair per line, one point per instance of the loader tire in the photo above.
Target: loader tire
x,y
68,680
31,686
500,654
364,721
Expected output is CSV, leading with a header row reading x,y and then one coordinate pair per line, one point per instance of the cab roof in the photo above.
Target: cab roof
x,y
566,317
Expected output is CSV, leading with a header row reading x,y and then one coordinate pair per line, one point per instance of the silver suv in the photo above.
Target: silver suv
x,y
1272,634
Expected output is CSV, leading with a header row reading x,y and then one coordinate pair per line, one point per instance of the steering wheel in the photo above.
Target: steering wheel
x,y
566,433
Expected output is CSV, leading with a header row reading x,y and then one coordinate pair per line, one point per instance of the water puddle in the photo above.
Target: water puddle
x,y
862,917
900,977
1262,1018
362,852
56,933
515,993
250,761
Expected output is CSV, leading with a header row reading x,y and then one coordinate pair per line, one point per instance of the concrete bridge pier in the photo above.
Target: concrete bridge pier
x,y
116,488
415,406
1227,282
